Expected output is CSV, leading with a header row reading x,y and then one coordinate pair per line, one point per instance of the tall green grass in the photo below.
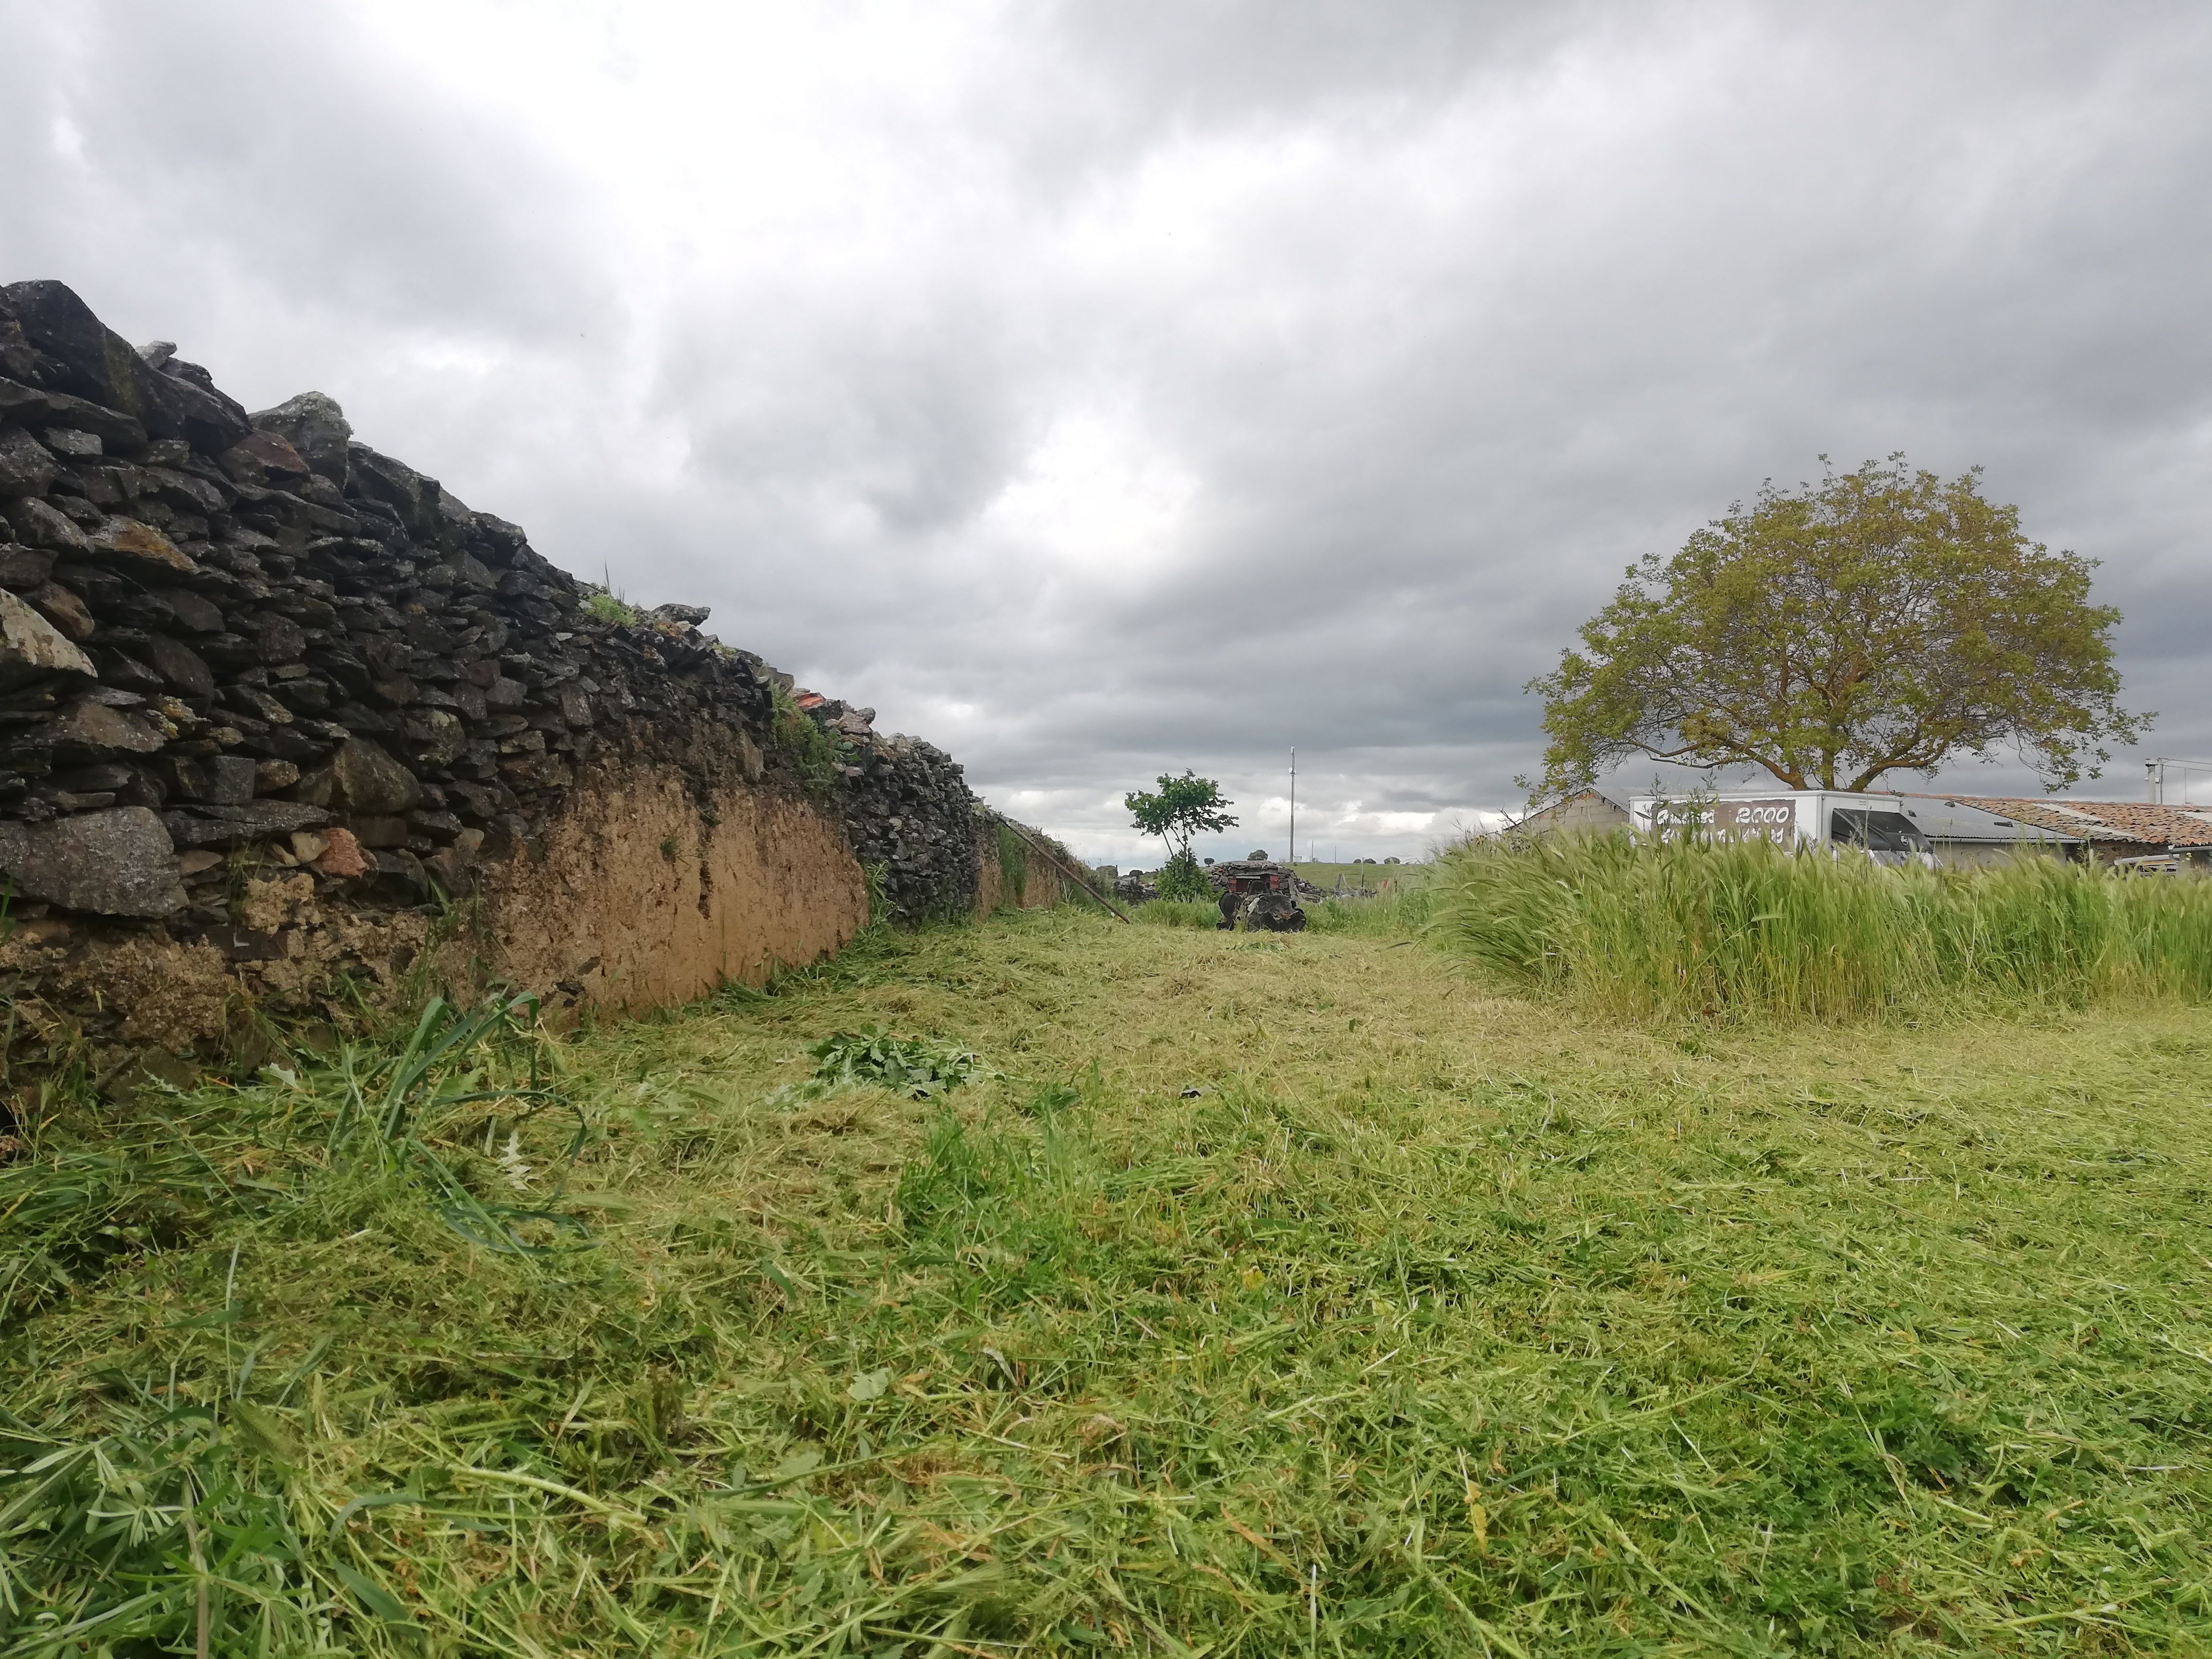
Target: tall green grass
x,y
1404,909
1639,930
1178,912
812,751
1394,915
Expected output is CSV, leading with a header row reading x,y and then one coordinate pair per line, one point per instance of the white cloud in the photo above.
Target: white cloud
x,y
1105,389
1097,499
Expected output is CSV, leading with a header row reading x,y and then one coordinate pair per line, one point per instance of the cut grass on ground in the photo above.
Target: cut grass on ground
x,y
1252,1295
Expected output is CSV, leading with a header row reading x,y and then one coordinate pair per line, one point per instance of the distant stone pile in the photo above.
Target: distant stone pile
x,y
1260,870
221,631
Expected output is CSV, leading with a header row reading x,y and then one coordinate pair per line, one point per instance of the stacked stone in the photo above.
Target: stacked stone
x,y
908,810
221,631
1232,871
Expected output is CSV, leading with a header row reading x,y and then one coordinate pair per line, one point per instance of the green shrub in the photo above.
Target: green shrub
x,y
812,751
609,609
1181,878
914,1066
1689,930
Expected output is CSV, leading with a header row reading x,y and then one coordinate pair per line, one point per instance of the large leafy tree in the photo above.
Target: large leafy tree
x,y
1886,620
1180,809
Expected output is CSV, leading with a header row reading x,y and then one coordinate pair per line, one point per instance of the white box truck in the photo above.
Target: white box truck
x,y
1880,825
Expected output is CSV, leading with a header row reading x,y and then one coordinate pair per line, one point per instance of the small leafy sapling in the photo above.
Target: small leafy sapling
x,y
1181,808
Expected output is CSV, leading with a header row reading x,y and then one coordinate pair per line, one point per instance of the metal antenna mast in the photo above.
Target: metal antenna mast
x,y
1294,809
2156,768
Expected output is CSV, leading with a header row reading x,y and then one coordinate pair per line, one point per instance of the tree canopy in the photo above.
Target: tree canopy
x,y
1885,620
1180,809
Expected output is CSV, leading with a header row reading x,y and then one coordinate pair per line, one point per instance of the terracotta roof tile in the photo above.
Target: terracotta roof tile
x,y
2104,820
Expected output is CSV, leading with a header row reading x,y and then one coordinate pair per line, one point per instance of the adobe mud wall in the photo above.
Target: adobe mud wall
x,y
638,898
285,727
634,898
1018,875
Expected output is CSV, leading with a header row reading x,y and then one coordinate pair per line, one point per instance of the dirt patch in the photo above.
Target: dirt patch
x,y
990,878
162,992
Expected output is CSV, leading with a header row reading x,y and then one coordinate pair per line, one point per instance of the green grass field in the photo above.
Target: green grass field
x,y
1361,875
1357,875
1251,1295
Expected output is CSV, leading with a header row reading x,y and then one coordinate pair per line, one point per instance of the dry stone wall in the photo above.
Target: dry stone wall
x,y
270,700
911,817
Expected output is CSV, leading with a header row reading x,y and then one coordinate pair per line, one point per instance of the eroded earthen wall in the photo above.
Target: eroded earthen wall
x,y
639,897
1016,875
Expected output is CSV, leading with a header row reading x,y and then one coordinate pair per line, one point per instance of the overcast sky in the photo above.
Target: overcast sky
x,y
1103,389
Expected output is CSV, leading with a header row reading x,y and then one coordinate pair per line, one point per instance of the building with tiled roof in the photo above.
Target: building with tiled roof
x,y
2112,828
1591,812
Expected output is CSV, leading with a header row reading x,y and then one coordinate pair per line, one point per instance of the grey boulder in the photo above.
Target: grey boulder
x,y
25,469
182,667
77,446
264,457
92,730
31,647
398,486
214,824
100,366
23,568
114,863
38,525
360,777
316,429
119,434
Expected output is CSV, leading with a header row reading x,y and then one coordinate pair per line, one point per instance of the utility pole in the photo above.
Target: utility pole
x,y
2155,770
1294,809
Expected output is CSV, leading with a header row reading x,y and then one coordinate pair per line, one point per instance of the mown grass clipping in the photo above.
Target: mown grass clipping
x,y
1251,1295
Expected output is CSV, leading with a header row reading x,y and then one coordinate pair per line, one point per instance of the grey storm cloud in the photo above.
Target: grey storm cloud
x,y
1106,388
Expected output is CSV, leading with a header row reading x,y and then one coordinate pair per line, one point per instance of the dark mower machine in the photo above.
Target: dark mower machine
x,y
1265,893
